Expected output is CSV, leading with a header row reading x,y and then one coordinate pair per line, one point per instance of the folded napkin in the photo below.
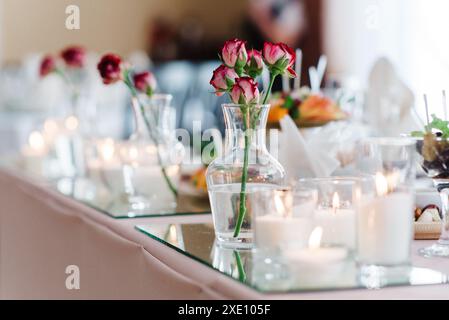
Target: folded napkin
x,y
300,158
389,102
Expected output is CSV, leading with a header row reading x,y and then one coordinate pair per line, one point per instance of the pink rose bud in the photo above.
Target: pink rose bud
x,y
223,79
110,68
234,54
254,66
245,91
48,65
280,58
145,82
74,56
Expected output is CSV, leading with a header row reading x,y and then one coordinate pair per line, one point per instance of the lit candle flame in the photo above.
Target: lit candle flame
x,y
173,235
315,238
279,205
36,140
107,150
133,153
71,123
50,126
381,184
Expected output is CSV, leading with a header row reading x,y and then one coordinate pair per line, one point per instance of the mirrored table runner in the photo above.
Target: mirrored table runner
x,y
98,196
273,275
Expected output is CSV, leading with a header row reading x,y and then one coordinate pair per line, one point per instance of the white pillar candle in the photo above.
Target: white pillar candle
x,y
385,226
339,224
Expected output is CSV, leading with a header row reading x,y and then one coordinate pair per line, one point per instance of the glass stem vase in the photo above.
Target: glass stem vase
x,y
246,166
150,123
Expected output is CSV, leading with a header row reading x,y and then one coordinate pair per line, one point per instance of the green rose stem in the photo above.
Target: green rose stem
x,y
240,269
130,85
245,111
75,92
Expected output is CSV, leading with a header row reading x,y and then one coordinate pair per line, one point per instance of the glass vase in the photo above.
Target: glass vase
x,y
151,157
244,168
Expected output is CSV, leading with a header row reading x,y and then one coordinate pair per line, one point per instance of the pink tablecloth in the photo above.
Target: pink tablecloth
x,y
43,232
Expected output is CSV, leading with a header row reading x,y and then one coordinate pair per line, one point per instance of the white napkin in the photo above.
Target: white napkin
x,y
389,102
300,158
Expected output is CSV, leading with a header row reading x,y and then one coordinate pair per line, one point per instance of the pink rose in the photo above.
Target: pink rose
x,y
245,91
223,79
254,65
74,56
280,58
234,54
48,65
110,68
145,82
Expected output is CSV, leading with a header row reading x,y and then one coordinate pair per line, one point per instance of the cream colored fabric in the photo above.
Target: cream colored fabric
x,y
42,232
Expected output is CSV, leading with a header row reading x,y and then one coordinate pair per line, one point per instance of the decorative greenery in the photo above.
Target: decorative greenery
x,y
438,126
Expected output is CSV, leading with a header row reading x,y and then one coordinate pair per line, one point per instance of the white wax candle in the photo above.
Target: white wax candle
x,y
34,153
339,226
385,229
317,265
275,231
317,257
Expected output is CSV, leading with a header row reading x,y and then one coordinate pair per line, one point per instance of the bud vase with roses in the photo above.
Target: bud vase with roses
x,y
67,64
112,69
237,77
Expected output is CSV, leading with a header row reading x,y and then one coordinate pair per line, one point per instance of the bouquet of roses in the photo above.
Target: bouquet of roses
x,y
71,59
112,69
237,77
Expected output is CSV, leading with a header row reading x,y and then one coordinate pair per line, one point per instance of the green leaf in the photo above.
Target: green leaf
x,y
229,82
439,125
295,113
289,103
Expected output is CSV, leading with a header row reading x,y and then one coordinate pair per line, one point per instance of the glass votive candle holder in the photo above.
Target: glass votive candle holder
x,y
145,187
283,218
385,220
103,163
336,208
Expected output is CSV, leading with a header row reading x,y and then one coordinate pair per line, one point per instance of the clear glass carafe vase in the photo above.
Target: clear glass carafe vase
x,y
245,127
151,157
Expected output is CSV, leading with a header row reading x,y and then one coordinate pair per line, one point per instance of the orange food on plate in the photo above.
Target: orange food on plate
x,y
317,108
199,179
277,112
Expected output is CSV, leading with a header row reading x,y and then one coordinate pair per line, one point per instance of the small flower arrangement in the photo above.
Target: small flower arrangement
x,y
112,69
237,77
73,57
70,59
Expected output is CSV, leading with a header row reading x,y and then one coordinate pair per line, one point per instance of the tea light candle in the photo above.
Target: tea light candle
x,y
36,145
315,261
280,229
106,164
385,226
338,224
34,152
284,232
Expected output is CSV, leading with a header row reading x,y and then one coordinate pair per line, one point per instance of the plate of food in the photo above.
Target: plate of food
x,y
305,108
195,185
428,216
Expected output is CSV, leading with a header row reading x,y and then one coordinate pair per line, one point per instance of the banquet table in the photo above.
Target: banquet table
x,y
43,232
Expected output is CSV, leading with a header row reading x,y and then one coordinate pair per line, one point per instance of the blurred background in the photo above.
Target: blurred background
x,y
179,41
